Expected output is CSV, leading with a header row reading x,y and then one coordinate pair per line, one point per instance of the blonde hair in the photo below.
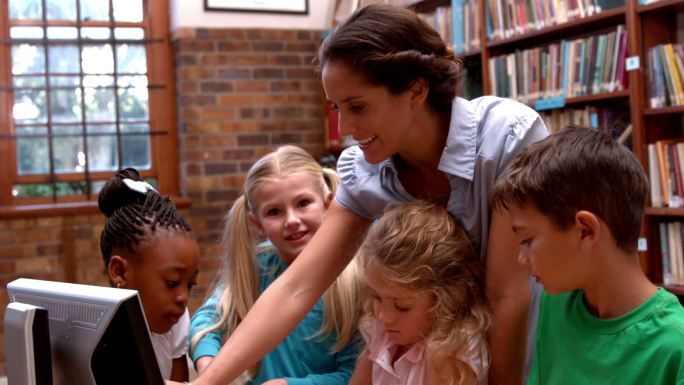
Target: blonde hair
x,y
239,280
419,245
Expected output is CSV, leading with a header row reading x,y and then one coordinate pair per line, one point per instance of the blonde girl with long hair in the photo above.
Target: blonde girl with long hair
x,y
286,195
426,320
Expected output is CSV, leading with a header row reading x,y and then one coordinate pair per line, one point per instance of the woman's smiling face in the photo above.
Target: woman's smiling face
x,y
381,122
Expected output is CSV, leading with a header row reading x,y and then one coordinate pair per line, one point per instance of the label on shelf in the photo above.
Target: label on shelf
x,y
642,245
632,63
549,104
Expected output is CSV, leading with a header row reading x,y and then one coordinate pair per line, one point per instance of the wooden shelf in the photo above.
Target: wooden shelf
x,y
665,211
470,55
606,18
597,98
664,110
591,99
661,6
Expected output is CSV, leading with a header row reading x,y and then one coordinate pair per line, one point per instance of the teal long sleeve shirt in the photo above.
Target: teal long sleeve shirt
x,y
301,358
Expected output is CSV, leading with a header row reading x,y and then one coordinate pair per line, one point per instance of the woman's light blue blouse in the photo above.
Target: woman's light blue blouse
x,y
484,135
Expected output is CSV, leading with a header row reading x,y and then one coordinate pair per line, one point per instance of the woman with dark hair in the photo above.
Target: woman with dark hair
x,y
393,81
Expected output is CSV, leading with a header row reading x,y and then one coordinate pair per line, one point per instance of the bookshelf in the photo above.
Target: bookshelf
x,y
646,26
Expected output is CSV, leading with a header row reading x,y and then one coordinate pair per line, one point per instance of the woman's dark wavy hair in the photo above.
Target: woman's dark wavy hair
x,y
133,217
391,46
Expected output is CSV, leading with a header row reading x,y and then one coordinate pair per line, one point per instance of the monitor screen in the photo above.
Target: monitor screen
x,y
98,335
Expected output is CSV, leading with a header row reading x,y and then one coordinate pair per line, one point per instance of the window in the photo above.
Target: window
x,y
86,89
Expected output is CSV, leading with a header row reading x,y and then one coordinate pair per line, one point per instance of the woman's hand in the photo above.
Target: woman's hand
x,y
277,381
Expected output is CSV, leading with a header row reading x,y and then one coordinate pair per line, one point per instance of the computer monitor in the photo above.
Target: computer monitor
x,y
98,335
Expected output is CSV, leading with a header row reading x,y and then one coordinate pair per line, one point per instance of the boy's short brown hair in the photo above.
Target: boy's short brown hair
x,y
579,169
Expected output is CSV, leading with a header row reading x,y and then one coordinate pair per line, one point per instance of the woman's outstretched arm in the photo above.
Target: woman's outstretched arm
x,y
287,300
508,292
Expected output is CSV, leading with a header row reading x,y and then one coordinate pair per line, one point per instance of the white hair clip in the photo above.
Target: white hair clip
x,y
139,185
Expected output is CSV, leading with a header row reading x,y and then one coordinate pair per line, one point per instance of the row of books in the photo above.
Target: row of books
x,y
442,21
467,36
666,75
586,66
613,121
508,18
672,253
665,165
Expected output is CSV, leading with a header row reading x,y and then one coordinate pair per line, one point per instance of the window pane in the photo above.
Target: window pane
x,y
129,33
61,9
95,10
135,151
133,104
31,130
26,9
29,81
71,188
96,33
101,129
29,106
32,190
95,81
68,154
128,10
131,59
135,148
63,59
26,32
65,105
132,81
65,81
96,186
97,59
135,128
102,153
32,156
28,59
99,103
62,33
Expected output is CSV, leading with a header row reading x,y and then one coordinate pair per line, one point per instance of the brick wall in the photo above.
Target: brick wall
x,y
240,94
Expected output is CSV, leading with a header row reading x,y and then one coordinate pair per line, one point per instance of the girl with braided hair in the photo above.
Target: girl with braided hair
x,y
394,82
147,246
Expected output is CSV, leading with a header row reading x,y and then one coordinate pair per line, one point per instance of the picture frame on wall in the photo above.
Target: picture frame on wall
x,y
300,7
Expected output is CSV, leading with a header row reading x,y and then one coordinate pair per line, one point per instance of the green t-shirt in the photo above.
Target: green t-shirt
x,y
642,347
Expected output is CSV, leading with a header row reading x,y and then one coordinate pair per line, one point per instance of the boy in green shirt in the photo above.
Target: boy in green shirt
x,y
576,202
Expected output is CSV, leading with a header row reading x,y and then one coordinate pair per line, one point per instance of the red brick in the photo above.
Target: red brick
x,y
285,60
268,46
240,100
251,60
192,73
251,86
252,140
185,46
238,154
218,113
233,46
237,126
300,73
278,86
220,141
